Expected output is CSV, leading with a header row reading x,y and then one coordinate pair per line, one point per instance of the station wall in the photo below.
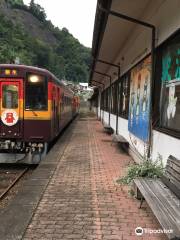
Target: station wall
x,y
165,16
163,144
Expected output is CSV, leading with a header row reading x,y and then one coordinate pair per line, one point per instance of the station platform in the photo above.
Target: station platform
x,y
73,194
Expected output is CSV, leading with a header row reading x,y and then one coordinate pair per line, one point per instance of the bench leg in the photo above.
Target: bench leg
x,y
112,143
142,199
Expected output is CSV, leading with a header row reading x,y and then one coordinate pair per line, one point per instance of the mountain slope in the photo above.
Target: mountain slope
x,y
25,33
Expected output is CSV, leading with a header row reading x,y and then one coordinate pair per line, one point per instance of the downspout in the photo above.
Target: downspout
x,y
153,29
110,103
117,105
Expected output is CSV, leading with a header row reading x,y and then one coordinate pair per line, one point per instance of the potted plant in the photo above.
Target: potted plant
x,y
148,169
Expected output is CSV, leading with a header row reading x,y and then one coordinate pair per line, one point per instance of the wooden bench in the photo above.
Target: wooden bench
x,y
108,129
163,197
116,138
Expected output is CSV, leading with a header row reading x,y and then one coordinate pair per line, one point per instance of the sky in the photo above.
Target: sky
x,y
75,15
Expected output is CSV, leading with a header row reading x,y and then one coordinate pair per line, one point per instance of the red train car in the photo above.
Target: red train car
x,y
34,107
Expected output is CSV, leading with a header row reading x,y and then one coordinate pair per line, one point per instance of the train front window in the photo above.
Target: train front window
x,y
36,92
10,96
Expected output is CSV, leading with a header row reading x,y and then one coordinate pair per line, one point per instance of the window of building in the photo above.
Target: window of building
x,y
114,98
119,91
170,85
106,100
102,100
119,96
36,92
124,88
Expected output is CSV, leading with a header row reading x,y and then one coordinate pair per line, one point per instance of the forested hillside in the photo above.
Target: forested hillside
x,y
26,33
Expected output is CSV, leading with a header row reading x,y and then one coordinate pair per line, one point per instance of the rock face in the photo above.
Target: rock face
x,y
2,4
30,23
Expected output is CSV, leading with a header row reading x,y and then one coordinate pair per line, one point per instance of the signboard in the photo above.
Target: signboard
x,y
9,117
138,121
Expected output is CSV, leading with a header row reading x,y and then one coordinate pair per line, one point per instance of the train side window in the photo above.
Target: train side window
x,y
10,96
61,102
36,92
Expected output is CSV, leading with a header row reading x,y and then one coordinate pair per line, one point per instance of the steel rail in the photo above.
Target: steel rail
x,y
13,183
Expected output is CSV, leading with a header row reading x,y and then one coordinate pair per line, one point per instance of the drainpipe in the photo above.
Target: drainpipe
x,y
117,105
110,81
153,29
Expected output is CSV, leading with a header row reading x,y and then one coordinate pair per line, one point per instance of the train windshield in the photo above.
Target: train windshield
x,y
36,92
10,96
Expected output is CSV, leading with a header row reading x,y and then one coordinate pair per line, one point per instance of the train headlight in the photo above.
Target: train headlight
x,y
34,79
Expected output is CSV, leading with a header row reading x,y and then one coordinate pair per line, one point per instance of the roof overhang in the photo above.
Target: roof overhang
x,y
111,33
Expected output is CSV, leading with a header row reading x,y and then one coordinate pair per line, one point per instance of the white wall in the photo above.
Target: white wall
x,y
136,144
165,145
166,18
165,15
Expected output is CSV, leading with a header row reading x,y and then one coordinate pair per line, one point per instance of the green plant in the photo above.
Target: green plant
x,y
148,168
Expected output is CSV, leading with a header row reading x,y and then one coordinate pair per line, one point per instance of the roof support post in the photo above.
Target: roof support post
x,y
117,97
110,81
153,35
101,99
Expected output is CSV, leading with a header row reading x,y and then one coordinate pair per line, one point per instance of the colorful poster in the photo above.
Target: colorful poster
x,y
138,120
170,87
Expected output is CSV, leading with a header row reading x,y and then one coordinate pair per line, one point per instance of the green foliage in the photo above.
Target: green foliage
x,y
147,169
66,59
15,2
13,41
37,11
76,56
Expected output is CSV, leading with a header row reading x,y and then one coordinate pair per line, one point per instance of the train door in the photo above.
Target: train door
x,y
11,109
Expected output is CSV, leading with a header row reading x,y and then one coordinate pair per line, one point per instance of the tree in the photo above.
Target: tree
x,y
37,11
15,2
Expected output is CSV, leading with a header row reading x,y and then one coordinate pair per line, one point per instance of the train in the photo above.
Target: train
x,y
35,106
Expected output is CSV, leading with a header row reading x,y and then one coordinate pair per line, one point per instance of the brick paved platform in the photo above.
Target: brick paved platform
x,y
82,200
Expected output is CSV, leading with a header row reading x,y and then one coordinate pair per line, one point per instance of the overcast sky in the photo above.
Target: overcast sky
x,y
76,15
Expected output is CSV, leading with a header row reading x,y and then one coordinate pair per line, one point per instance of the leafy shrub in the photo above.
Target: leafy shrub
x,y
147,168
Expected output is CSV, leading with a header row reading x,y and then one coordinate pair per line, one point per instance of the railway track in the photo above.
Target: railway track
x,y
9,177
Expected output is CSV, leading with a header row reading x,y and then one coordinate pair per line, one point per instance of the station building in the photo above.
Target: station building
x,y
136,68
